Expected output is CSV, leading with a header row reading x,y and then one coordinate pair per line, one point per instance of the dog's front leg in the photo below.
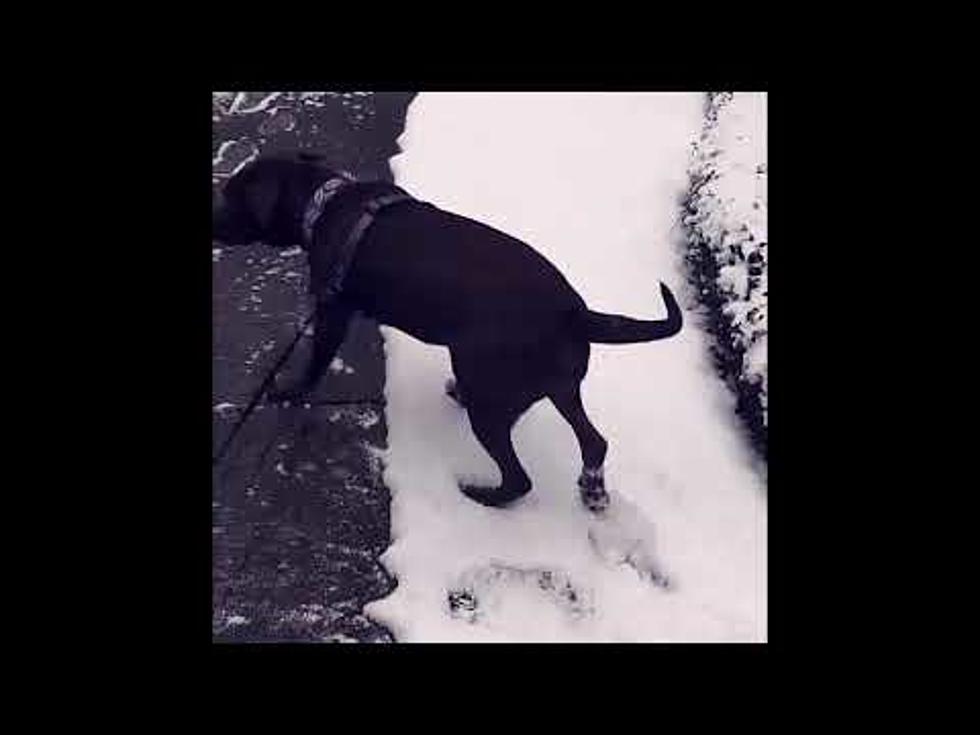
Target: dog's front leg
x,y
330,322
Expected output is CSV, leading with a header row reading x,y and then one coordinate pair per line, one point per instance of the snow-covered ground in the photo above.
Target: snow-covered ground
x,y
594,182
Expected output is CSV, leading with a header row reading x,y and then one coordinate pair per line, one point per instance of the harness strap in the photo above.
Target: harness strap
x,y
324,193
334,283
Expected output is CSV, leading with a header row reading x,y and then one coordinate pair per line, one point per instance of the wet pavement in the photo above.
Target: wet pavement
x,y
300,513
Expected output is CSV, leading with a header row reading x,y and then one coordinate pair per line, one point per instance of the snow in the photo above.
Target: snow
x,y
730,218
593,181
218,157
363,417
223,409
239,105
226,151
339,366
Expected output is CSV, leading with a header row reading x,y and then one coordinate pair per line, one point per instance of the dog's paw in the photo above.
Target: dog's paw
x,y
592,490
492,497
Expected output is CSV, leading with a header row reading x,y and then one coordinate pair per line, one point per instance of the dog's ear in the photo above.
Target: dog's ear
x,y
263,195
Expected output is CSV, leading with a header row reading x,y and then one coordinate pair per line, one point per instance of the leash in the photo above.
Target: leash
x,y
261,390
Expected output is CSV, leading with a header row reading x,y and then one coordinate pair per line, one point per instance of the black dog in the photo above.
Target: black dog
x,y
516,330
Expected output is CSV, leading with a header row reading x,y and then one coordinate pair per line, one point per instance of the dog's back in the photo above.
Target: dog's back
x,y
441,277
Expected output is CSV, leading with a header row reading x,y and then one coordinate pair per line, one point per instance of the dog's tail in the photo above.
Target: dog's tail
x,y
616,329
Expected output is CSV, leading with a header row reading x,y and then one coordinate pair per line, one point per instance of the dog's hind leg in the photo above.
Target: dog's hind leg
x,y
592,485
493,382
492,426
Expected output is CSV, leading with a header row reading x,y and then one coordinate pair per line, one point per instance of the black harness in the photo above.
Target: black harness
x,y
328,286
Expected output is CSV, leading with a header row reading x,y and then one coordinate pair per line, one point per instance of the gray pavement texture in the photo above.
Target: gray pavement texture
x,y
300,513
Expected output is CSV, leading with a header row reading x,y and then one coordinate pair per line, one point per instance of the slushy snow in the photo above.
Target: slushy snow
x,y
593,181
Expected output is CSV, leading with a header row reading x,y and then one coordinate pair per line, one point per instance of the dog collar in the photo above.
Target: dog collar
x,y
324,193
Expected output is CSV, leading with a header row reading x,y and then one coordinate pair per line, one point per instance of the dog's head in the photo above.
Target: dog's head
x,y
264,202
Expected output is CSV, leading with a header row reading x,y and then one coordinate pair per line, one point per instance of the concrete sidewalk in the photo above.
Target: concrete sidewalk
x,y
299,509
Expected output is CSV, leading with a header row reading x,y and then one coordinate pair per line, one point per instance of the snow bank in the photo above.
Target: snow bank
x,y
726,218
593,181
